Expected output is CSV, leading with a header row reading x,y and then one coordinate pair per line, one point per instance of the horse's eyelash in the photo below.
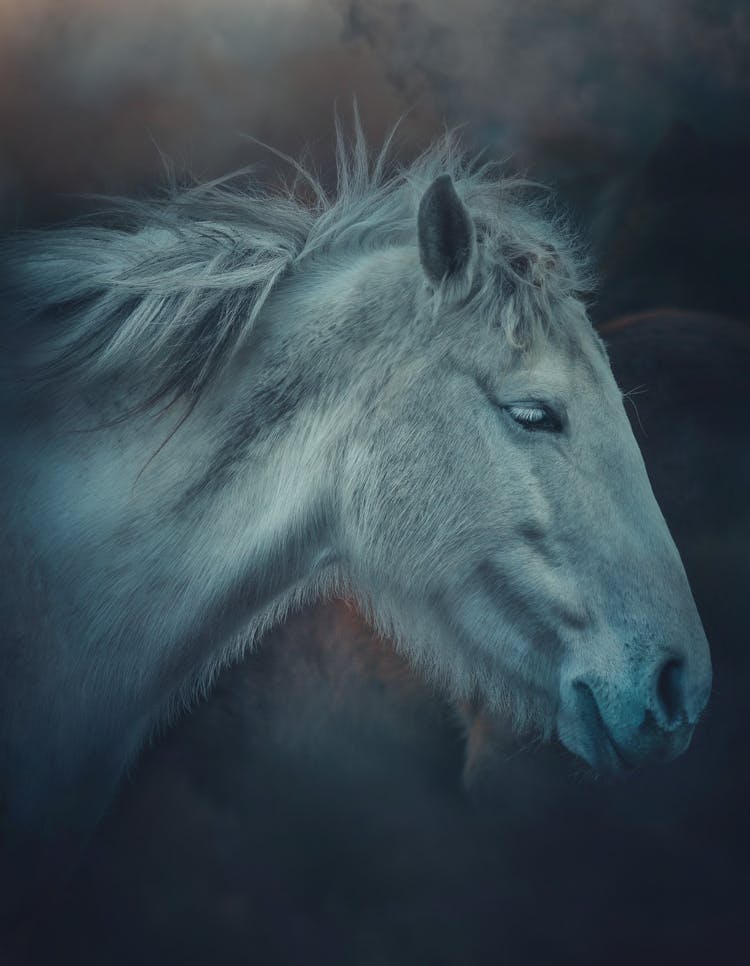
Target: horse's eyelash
x,y
532,413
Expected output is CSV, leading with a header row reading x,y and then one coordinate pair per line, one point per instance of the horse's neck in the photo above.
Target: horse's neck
x,y
263,508
295,412
149,570
232,520
234,557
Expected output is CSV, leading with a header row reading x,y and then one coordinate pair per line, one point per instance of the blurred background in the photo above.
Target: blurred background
x,y
323,805
638,113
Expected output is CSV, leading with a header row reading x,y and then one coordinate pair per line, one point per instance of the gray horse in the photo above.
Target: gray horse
x,y
228,402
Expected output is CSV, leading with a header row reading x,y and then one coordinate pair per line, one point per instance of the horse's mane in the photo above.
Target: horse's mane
x,y
170,286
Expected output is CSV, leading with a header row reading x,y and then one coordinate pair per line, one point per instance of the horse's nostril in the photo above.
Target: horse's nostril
x,y
670,692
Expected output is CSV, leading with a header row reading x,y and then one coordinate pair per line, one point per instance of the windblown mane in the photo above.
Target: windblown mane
x,y
171,286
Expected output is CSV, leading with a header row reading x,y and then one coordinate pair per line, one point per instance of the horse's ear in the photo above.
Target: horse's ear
x,y
447,237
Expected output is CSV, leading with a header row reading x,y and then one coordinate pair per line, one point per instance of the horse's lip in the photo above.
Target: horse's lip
x,y
606,755
618,764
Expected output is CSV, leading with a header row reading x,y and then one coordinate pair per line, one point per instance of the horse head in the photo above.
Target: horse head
x,y
496,514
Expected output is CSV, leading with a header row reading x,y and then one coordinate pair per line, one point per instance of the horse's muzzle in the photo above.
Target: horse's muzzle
x,y
616,731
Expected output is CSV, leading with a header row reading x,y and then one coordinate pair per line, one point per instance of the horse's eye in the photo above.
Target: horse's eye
x,y
535,416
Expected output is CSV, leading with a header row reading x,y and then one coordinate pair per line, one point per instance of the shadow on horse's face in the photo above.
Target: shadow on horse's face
x,y
502,528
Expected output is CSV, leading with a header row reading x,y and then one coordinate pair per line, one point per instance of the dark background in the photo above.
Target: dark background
x,y
314,809
637,112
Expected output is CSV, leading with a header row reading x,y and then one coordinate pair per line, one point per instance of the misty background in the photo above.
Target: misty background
x,y
315,809
636,113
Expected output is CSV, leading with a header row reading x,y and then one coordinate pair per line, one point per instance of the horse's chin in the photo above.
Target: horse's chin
x,y
601,753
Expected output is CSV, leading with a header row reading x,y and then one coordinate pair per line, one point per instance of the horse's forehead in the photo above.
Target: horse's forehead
x,y
568,363
560,366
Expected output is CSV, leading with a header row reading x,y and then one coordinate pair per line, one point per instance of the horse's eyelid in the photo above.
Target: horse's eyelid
x,y
551,411
551,420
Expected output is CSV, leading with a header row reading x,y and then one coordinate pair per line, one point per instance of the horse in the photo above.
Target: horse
x,y
226,402
318,776
359,767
